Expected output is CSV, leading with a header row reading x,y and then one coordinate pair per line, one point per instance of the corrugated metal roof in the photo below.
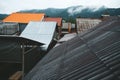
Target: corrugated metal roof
x,y
65,38
24,17
94,55
83,24
42,32
58,20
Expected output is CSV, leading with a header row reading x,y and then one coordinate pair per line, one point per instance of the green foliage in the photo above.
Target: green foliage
x,y
2,16
72,20
106,12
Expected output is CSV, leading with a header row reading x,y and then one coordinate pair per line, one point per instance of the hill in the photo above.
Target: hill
x,y
73,12
2,16
77,11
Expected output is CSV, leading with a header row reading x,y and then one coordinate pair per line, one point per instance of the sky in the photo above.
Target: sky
x,y
10,6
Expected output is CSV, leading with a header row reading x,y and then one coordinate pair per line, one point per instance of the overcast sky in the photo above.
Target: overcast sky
x,y
9,6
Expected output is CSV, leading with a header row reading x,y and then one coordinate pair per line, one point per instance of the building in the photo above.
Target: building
x,y
105,17
59,24
108,17
24,18
68,28
83,24
73,28
26,49
95,55
7,28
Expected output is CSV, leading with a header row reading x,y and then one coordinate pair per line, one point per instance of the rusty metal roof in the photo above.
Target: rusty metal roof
x,y
58,20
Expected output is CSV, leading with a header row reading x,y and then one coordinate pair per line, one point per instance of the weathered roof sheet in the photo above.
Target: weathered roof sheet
x,y
65,38
42,32
58,20
24,17
83,24
94,55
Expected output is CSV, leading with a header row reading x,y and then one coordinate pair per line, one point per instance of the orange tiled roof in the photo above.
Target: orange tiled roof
x,y
24,17
58,20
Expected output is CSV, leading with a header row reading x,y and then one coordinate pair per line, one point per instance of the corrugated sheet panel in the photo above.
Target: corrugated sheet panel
x,y
42,32
58,20
65,38
94,55
24,17
83,24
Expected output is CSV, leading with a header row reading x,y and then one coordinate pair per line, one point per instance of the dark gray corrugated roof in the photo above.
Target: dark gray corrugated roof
x,y
94,55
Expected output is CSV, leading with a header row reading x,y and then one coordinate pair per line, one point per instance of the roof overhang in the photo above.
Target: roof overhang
x,y
20,40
